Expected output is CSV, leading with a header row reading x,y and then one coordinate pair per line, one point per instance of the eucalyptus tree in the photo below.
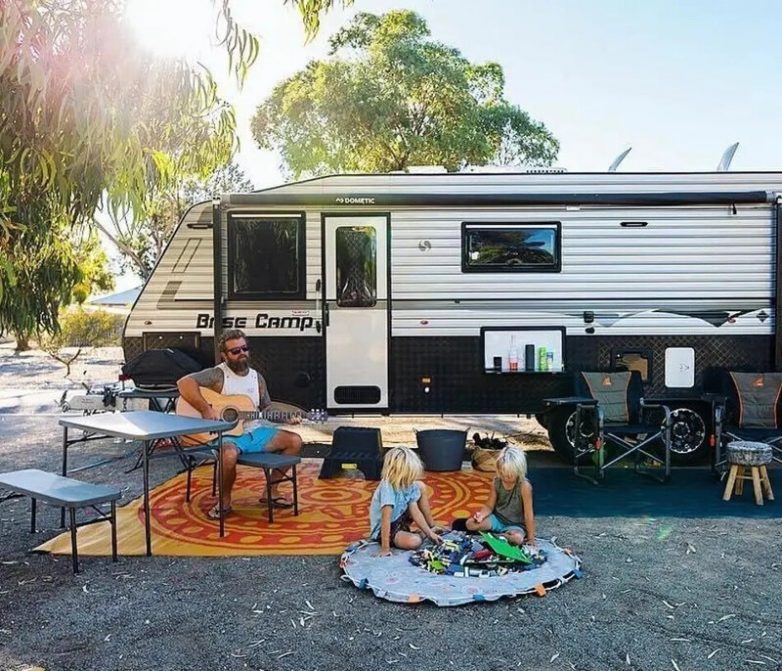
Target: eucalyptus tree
x,y
141,240
87,119
389,97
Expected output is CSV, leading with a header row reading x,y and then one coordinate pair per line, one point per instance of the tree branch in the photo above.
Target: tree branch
x,y
127,250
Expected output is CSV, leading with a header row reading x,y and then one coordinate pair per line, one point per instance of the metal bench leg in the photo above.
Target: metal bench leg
x,y
268,473
113,531
190,461
32,515
146,447
64,469
74,546
295,490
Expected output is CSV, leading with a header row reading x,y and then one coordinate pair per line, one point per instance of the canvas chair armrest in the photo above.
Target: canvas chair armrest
x,y
550,404
656,405
590,408
714,399
719,417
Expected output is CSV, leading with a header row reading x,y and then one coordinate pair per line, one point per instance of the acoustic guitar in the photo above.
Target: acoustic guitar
x,y
240,408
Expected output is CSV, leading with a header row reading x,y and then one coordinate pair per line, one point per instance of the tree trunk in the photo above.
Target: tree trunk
x,y
22,342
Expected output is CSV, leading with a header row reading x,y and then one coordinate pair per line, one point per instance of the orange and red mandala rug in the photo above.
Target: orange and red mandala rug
x,y
332,514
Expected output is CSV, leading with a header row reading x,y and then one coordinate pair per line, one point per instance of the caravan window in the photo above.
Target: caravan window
x,y
356,259
266,256
511,247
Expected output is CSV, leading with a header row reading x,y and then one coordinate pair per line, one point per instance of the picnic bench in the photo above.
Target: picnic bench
x,y
63,492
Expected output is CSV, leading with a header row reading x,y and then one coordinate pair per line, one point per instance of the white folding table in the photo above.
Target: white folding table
x,y
148,427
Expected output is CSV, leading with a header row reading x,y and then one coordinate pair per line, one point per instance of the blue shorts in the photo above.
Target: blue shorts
x,y
252,441
498,526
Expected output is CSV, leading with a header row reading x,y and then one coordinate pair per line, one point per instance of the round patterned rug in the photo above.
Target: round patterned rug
x,y
395,578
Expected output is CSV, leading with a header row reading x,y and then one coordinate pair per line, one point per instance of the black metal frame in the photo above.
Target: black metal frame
x,y
111,517
251,461
102,516
588,409
724,433
147,448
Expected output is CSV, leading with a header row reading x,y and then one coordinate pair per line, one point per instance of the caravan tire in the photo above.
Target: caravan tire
x,y
561,426
689,437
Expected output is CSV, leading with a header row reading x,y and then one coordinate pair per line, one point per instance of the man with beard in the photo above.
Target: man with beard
x,y
234,376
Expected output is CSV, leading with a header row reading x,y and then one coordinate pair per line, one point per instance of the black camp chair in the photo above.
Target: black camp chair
x,y
610,410
752,411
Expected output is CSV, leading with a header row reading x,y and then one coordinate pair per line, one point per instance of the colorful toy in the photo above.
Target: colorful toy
x,y
462,555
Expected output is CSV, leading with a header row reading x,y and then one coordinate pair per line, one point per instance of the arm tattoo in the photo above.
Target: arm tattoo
x,y
263,393
211,378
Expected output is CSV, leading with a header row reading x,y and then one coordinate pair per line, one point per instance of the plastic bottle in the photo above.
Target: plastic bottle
x,y
513,355
542,359
550,361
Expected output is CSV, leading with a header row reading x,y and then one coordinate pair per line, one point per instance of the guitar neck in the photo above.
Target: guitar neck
x,y
270,414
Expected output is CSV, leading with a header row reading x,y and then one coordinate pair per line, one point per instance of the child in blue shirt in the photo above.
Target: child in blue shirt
x,y
399,500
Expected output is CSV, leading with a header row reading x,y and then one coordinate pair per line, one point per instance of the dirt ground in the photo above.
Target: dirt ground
x,y
657,593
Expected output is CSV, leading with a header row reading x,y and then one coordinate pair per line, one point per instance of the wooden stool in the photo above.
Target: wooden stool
x,y
749,456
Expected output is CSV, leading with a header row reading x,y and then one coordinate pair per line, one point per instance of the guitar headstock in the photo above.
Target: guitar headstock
x,y
283,412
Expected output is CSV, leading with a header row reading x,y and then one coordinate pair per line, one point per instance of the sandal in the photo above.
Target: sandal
x,y
277,502
214,512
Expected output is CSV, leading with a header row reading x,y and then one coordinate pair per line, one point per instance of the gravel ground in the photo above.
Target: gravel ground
x,y
657,593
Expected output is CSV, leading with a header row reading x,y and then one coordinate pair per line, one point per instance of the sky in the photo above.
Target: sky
x,y
677,80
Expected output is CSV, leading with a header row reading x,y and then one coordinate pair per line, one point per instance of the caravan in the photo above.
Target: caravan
x,y
479,293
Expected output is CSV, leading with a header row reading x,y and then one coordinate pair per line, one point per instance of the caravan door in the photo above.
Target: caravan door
x,y
356,311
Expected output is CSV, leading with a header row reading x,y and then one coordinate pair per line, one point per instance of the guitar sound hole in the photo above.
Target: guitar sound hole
x,y
230,414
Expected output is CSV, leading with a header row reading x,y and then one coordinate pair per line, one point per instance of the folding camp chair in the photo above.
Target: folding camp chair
x,y
610,411
752,411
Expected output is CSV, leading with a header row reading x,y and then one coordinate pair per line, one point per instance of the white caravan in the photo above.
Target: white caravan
x,y
479,293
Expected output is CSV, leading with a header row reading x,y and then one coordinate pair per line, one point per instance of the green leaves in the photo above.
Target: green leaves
x,y
87,120
86,117
310,11
392,97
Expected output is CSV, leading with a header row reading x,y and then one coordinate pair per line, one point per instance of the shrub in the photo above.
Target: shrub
x,y
82,328
90,328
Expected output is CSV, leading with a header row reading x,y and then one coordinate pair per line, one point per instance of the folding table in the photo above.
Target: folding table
x,y
148,427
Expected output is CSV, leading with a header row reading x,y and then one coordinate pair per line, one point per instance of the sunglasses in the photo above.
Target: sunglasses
x,y
237,350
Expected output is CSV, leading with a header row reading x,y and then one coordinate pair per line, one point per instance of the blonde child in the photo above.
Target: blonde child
x,y
509,508
400,499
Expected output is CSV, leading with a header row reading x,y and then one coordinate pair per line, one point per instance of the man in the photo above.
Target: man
x,y
234,376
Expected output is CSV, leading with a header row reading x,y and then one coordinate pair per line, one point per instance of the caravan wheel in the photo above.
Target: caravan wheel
x,y
688,436
561,431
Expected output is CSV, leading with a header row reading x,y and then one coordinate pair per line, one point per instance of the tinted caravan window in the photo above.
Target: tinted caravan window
x,y
527,247
356,266
266,256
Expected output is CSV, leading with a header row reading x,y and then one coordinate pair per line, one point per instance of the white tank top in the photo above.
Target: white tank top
x,y
246,385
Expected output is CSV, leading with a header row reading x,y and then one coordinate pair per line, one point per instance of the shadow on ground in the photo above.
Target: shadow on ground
x,y
691,493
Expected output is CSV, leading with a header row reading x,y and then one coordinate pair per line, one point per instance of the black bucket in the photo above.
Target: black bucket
x,y
441,449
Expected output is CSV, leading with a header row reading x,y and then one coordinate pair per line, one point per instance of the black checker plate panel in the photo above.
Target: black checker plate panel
x,y
294,368
457,383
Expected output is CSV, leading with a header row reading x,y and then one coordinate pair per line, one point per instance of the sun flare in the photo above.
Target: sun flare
x,y
173,28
